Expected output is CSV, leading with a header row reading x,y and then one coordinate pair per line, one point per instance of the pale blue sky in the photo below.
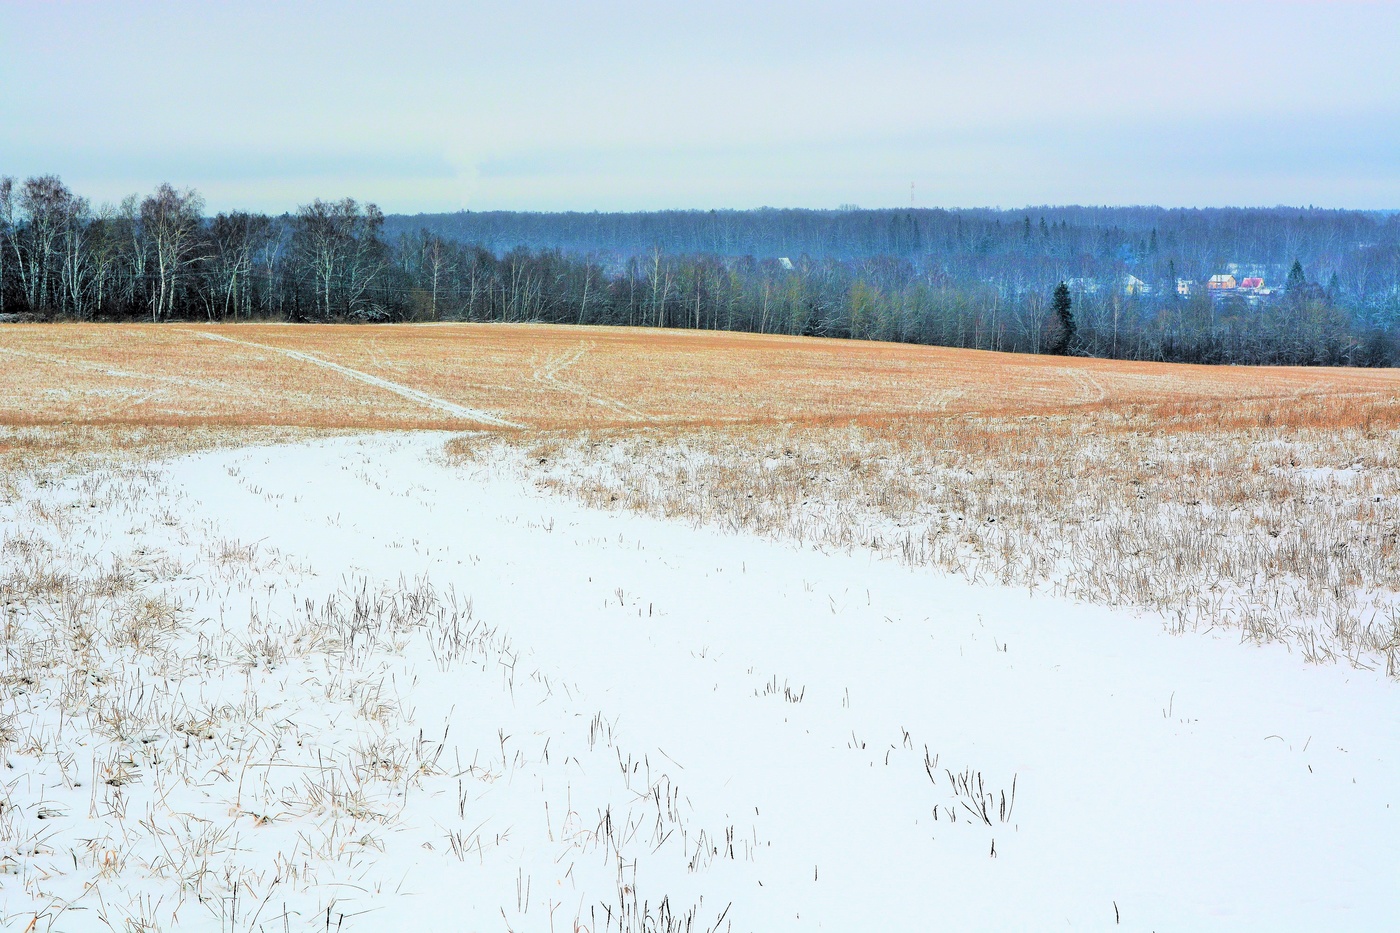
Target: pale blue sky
x,y
427,106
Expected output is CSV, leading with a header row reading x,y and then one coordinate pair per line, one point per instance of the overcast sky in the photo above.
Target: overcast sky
x,y
429,106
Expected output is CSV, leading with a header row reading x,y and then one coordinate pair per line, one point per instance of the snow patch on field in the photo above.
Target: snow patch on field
x,y
377,692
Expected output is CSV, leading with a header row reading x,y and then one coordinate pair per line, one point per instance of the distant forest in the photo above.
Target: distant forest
x,y
1278,285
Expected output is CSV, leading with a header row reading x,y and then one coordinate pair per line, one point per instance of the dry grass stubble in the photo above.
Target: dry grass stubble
x,y
571,378
188,740
1277,518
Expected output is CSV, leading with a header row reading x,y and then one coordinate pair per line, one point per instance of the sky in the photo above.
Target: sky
x,y
542,105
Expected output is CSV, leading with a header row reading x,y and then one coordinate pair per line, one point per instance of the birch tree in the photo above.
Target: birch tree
x,y
46,210
7,230
170,224
75,260
235,241
338,243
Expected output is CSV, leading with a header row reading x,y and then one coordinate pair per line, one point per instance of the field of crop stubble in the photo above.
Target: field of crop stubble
x,y
1265,502
1258,498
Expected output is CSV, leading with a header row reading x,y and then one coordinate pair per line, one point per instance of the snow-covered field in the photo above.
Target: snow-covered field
x,y
346,685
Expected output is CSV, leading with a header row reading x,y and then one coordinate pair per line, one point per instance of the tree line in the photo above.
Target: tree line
x,y
161,257
1204,237
1356,253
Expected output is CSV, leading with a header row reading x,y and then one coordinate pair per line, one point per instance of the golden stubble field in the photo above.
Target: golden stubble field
x,y
1265,500
567,378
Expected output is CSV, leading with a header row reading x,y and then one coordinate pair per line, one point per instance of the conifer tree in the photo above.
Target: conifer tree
x,y
1062,303
1296,278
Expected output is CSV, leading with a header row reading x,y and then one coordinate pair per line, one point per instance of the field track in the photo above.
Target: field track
x,y
474,376
412,395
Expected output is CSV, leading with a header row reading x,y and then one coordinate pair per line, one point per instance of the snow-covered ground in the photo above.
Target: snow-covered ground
x,y
460,703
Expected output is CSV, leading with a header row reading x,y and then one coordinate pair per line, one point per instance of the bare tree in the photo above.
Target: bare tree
x,y
108,256
235,241
46,210
431,263
339,244
437,266
171,223
75,263
7,229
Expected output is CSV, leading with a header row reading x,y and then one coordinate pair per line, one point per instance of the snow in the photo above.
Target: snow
x,y
1321,476
634,679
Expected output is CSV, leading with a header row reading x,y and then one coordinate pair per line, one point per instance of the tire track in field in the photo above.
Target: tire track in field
x,y
422,398
126,398
548,376
107,370
1088,389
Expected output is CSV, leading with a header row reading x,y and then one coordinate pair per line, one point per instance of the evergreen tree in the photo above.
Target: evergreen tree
x,y
1061,303
1296,278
